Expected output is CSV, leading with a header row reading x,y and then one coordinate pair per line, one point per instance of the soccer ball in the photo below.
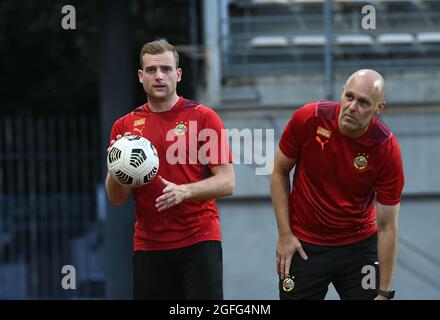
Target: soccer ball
x,y
133,161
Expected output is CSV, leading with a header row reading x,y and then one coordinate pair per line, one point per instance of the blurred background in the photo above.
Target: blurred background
x,y
254,62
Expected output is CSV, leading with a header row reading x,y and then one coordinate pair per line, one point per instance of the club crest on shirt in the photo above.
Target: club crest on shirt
x,y
181,128
288,283
360,162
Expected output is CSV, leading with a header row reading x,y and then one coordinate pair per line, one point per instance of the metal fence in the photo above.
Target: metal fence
x,y
284,39
49,173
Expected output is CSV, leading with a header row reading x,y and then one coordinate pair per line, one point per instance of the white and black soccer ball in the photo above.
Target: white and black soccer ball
x,y
133,161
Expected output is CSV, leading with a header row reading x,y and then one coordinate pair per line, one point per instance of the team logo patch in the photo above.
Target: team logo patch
x,y
288,283
361,162
326,133
181,128
139,122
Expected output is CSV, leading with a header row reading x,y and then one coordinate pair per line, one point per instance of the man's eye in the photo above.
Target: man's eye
x,y
349,96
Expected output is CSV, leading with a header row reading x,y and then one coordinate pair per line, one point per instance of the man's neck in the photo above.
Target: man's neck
x,y
353,134
162,105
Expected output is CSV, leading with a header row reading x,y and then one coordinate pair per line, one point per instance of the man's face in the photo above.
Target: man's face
x,y
159,76
359,102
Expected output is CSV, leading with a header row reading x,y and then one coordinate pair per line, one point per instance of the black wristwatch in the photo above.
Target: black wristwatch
x,y
387,294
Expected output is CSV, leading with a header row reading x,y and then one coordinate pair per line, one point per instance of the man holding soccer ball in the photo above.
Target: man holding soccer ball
x,y
178,253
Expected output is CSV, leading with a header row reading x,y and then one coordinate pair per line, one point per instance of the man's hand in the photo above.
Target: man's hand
x,y
173,194
116,192
286,248
379,297
117,138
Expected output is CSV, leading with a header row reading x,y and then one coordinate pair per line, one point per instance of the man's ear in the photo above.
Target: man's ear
x,y
141,80
179,74
379,108
342,92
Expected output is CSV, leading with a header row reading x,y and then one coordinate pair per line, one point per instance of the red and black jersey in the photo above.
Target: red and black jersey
x,y
337,179
188,125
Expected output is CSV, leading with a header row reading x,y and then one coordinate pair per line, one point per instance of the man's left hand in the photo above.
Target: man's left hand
x,y
379,297
173,194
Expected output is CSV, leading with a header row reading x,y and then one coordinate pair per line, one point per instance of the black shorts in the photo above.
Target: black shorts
x,y
351,269
194,272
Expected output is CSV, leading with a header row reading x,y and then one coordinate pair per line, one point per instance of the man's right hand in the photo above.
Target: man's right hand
x,y
286,247
116,192
117,138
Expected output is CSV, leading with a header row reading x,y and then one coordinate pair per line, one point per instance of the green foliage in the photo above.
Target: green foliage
x,y
44,68
169,19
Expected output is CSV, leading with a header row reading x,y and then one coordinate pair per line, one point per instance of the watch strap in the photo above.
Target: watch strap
x,y
387,294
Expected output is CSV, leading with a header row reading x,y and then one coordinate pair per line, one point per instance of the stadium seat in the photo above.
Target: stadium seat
x,y
270,2
269,41
428,37
395,38
309,40
354,39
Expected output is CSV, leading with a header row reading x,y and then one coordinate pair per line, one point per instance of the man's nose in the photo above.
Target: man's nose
x,y
352,106
158,75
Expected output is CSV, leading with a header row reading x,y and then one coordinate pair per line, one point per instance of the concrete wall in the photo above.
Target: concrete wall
x,y
402,87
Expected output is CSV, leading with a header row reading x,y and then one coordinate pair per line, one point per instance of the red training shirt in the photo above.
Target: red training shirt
x,y
337,178
190,221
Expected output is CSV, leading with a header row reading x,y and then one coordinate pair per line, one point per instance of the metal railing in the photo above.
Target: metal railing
x,y
49,172
244,57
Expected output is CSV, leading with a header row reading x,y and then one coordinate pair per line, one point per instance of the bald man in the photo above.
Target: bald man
x,y
337,218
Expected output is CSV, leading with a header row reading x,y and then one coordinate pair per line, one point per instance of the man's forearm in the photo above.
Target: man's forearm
x,y
279,190
117,194
217,186
387,253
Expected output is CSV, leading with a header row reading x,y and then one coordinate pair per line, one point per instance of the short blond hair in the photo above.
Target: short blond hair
x,y
158,47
